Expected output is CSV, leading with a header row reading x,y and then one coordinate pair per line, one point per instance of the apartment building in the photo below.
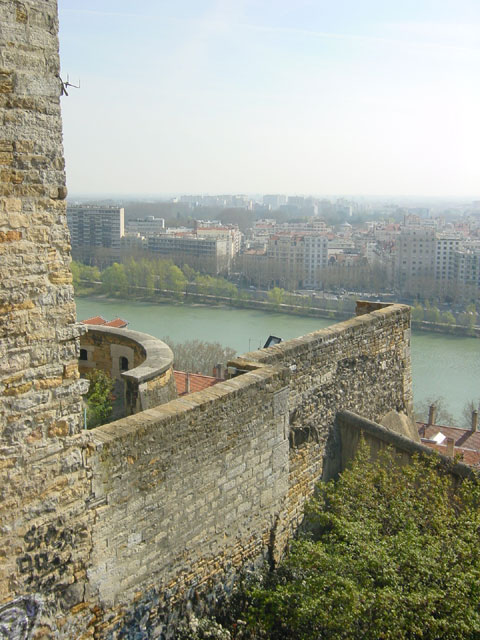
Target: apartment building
x,y
446,245
214,229
467,268
192,249
146,226
315,259
298,258
92,226
415,254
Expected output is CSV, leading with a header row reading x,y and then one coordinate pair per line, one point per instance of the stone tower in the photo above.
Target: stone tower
x,y
40,393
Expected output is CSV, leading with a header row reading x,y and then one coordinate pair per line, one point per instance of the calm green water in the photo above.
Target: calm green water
x,y
442,365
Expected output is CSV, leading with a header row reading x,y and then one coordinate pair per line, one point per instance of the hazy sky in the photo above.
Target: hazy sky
x,y
272,96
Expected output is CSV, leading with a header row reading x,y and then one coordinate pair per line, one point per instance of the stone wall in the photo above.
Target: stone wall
x,y
40,394
349,429
362,364
163,508
192,490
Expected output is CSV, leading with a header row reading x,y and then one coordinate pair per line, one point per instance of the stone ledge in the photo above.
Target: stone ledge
x,y
159,356
328,335
349,420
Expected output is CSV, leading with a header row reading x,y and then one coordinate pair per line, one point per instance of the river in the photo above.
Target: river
x,y
442,365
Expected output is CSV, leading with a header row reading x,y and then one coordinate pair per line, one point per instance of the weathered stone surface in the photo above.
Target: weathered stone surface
x,y
402,424
36,284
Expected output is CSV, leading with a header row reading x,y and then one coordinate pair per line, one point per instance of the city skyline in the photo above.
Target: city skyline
x,y
243,97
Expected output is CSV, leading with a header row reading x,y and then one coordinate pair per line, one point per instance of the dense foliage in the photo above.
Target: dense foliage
x,y
392,553
98,398
142,278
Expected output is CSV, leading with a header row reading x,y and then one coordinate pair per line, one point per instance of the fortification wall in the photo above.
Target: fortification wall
x,y
105,533
39,388
160,510
350,429
362,364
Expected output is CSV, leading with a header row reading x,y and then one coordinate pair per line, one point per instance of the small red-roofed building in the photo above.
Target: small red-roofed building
x,y
191,382
99,320
453,441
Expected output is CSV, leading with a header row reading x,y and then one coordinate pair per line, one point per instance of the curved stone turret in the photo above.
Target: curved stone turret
x,y
142,364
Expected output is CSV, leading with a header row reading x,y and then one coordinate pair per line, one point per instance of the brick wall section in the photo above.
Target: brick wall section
x,y
362,364
166,506
39,390
192,490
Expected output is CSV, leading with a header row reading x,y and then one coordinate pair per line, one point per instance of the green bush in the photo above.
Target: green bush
x,y
392,552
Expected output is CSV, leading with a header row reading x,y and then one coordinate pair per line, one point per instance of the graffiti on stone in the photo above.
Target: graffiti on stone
x,y
17,618
46,555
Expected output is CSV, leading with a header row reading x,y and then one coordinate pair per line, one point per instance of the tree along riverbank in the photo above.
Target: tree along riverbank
x,y
155,280
306,308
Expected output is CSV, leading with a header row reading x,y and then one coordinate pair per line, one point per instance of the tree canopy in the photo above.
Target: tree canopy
x,y
391,552
198,356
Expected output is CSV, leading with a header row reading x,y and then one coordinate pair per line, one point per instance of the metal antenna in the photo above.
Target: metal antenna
x,y
68,84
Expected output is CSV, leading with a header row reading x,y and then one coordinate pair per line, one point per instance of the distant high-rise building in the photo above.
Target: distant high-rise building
x,y
298,258
92,226
415,253
445,247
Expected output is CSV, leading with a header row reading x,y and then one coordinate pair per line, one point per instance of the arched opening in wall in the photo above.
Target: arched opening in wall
x,y
83,354
123,363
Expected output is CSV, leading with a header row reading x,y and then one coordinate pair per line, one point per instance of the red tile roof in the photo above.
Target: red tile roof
x,y
197,382
94,320
467,442
99,320
117,322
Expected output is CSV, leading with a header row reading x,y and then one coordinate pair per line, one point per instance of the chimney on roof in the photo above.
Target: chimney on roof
x,y
450,442
220,371
474,420
432,414
187,383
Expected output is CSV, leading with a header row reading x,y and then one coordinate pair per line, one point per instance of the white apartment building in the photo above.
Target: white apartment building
x,y
214,229
467,269
315,259
92,226
446,245
146,226
298,257
415,253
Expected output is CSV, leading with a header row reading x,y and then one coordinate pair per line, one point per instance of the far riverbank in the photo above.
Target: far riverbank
x,y
338,310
